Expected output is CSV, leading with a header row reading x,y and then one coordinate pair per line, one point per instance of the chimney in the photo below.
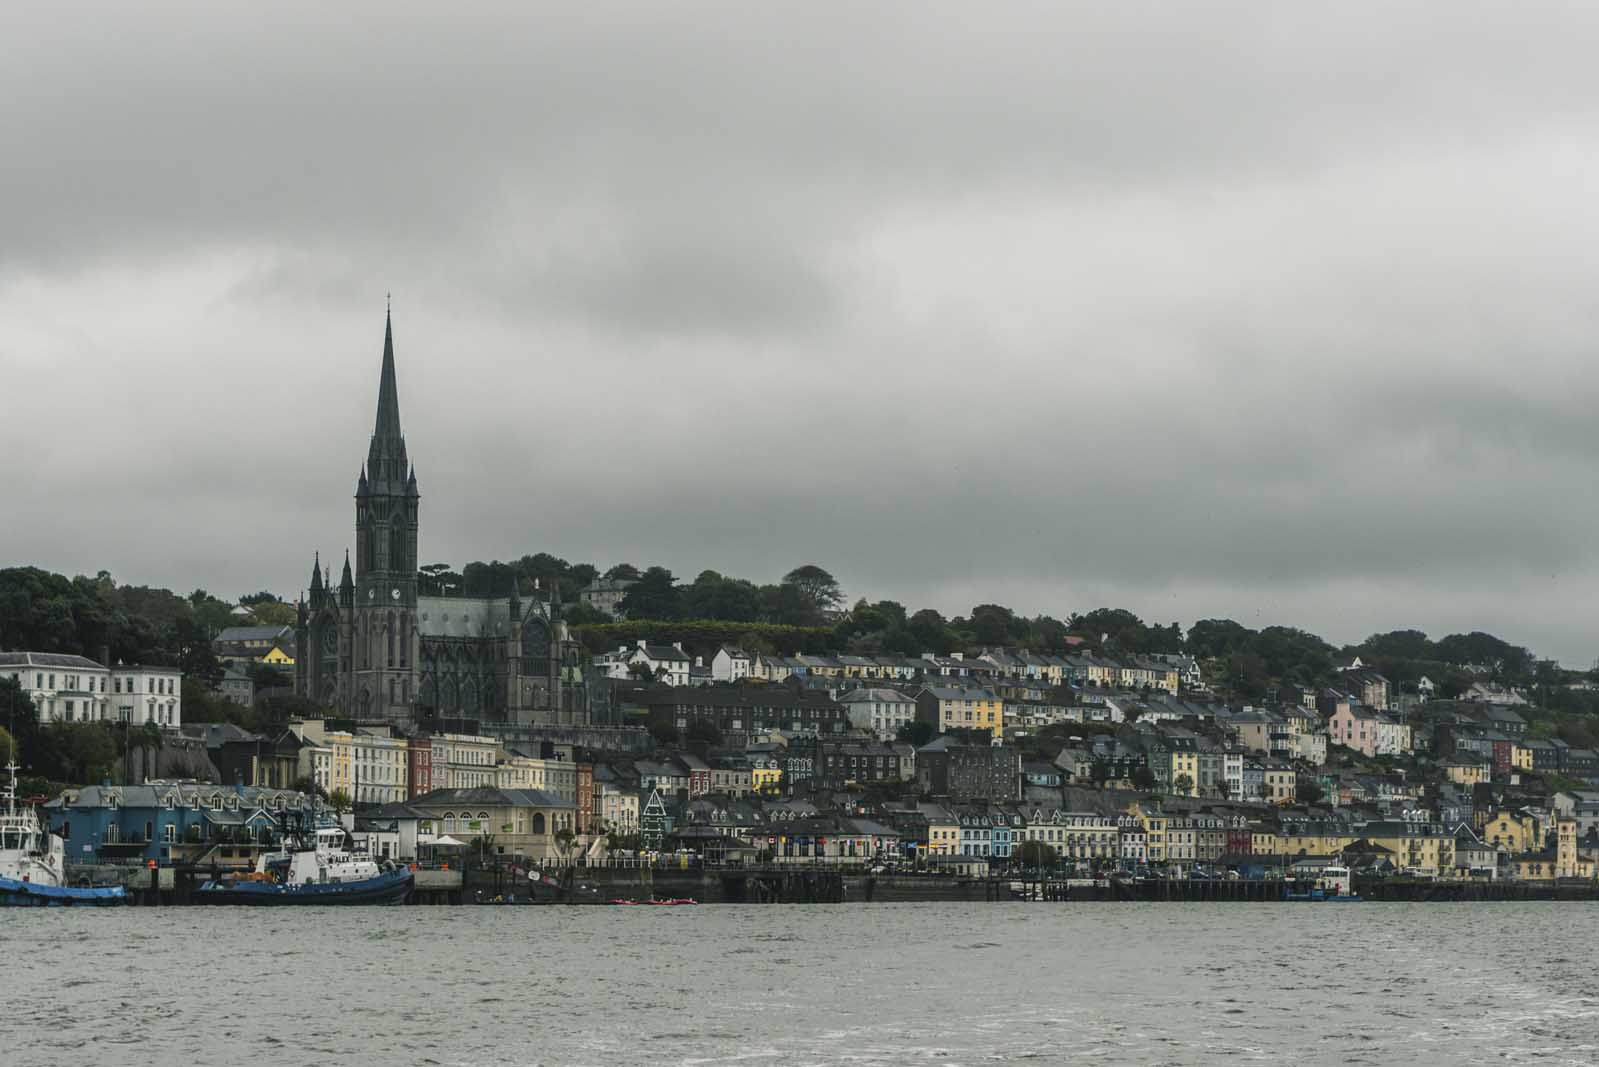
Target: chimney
x,y
105,655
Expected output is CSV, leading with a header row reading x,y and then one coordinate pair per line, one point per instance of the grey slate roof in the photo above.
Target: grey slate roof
x,y
46,659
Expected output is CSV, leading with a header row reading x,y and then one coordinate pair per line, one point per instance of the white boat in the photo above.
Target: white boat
x,y
33,862
27,853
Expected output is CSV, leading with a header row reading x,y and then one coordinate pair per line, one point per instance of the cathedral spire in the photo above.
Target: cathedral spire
x,y
316,574
388,422
347,581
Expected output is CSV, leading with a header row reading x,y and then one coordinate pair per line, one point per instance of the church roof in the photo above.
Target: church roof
x,y
460,616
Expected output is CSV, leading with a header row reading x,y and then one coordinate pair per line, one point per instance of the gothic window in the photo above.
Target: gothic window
x,y
390,630
452,695
405,640
536,647
330,637
538,822
365,703
469,695
397,548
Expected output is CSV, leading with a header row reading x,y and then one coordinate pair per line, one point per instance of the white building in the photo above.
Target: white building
x,y
668,664
731,664
147,695
464,761
555,776
882,711
70,688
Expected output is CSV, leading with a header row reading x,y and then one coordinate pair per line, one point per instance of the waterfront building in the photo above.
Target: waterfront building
x,y
170,822
508,822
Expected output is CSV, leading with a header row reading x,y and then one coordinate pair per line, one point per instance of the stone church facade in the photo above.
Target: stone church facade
x,y
375,649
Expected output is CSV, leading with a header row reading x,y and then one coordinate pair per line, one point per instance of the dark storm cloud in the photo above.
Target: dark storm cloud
x,y
1209,310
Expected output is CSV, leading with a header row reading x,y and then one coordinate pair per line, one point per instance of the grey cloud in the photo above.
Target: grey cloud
x,y
1214,310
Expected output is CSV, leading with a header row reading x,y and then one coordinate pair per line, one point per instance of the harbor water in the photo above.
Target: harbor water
x,y
947,984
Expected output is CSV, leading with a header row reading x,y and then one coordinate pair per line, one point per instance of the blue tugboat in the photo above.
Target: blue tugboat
x,y
310,867
33,862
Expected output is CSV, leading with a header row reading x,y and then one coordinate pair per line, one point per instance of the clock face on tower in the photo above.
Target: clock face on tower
x,y
394,594
371,594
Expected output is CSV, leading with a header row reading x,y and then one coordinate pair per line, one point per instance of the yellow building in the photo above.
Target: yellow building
x,y
1514,831
1565,861
1415,849
948,708
1466,773
278,658
1281,783
1520,756
766,780
1156,826
943,833
1185,765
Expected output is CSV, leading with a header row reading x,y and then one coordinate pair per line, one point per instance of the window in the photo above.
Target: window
x,y
169,833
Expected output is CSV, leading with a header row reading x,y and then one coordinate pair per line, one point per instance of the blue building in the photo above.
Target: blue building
x,y
170,822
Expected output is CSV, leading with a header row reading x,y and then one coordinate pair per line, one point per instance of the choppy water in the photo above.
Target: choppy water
x,y
859,984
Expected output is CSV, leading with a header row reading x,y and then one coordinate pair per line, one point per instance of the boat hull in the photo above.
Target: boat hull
x,y
391,888
15,893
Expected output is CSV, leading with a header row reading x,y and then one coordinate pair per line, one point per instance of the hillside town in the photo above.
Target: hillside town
x,y
989,761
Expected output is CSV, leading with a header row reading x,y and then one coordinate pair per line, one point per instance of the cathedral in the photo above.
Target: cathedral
x,y
377,650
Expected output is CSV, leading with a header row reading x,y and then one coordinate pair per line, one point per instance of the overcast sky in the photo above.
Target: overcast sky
x,y
1263,311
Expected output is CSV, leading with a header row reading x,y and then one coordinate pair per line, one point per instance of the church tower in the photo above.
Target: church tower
x,y
383,628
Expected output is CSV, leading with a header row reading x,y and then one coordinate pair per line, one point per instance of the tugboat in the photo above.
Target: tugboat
x,y
33,863
1334,886
311,866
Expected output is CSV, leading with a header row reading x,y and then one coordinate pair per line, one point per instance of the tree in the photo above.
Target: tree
x,y
339,800
8,747
915,732
1307,791
715,597
991,624
1182,785
1036,854
195,656
703,730
1142,777
654,596
581,614
931,632
623,572
275,613
817,586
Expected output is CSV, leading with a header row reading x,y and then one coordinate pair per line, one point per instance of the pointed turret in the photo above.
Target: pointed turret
x,y
363,488
316,574
516,599
347,583
410,485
